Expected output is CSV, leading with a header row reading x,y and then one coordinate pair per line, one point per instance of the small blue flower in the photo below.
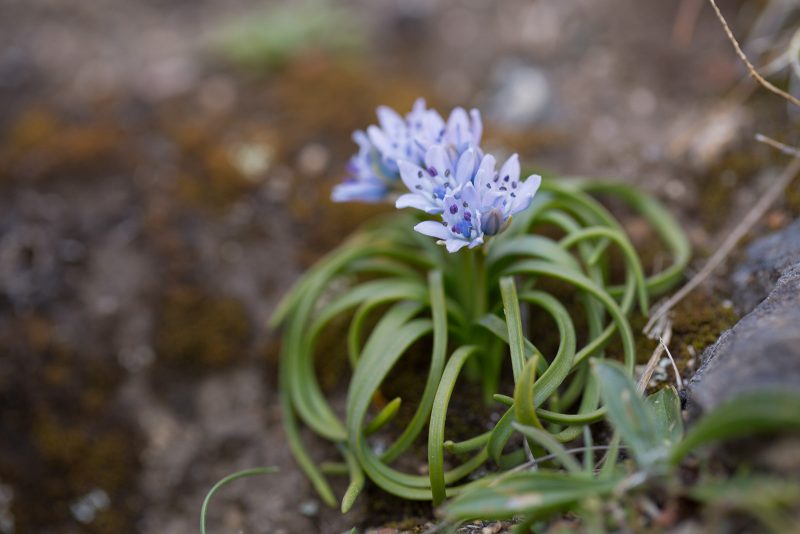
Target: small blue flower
x,y
463,131
479,203
430,184
502,194
369,178
462,221
374,172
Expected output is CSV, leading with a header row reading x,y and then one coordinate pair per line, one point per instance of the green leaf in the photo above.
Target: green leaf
x,y
524,408
438,417
438,355
547,441
666,406
228,479
386,414
500,435
768,498
630,415
748,415
356,480
524,493
514,324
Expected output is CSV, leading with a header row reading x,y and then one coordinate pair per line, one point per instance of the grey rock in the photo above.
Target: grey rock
x,y
762,351
765,260
521,94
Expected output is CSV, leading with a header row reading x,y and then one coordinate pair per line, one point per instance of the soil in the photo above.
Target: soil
x,y
158,196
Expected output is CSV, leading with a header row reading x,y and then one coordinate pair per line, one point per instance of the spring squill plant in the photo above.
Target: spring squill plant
x,y
463,294
461,298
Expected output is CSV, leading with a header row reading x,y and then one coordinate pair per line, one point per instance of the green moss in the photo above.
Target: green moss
x,y
199,331
697,322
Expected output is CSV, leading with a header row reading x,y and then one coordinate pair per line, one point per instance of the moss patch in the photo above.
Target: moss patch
x,y
697,322
199,331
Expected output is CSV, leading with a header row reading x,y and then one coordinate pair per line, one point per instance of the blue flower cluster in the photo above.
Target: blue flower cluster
x,y
444,170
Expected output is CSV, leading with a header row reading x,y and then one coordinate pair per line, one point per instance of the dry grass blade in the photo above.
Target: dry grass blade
x,y
663,331
753,72
678,379
786,149
753,216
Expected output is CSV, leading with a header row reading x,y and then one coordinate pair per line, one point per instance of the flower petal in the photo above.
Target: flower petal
x,y
485,172
437,161
476,242
470,196
360,190
379,139
458,128
361,139
466,167
390,120
433,229
477,126
410,200
510,169
525,194
454,245
410,174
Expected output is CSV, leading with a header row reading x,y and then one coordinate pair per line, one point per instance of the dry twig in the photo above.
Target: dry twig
x,y
678,379
786,149
663,330
753,72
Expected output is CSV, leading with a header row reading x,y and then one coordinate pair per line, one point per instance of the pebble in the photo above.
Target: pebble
x,y
521,94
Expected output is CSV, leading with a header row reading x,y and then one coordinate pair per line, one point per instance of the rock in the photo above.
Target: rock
x,y
762,351
521,94
766,259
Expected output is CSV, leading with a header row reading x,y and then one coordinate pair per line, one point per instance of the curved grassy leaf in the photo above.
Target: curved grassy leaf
x,y
438,354
630,415
748,415
666,406
536,267
228,479
438,416
514,324
524,408
524,493
500,435
356,480
386,414
543,438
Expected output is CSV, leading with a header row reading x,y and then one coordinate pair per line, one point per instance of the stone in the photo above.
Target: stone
x,y
762,351
765,260
521,94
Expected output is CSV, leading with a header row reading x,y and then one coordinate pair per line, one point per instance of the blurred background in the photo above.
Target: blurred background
x,y
165,171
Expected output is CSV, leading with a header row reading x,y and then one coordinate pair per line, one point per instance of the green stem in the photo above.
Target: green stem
x,y
479,304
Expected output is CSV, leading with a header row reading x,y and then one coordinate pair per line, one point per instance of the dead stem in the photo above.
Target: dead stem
x,y
786,149
663,330
753,72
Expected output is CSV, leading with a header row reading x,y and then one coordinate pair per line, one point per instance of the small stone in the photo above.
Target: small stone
x,y
313,159
309,508
252,160
521,94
